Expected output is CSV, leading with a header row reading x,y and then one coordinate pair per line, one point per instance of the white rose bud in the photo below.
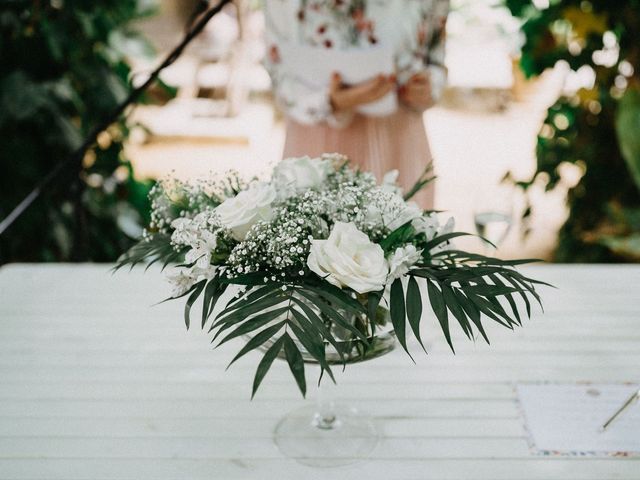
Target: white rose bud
x,y
243,211
295,175
348,258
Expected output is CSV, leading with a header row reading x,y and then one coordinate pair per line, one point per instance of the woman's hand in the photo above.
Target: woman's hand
x,y
345,98
416,93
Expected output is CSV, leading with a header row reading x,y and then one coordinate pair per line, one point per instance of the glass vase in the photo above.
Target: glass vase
x,y
330,432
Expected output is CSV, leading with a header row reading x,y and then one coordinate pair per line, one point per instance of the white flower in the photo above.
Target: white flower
x,y
181,282
391,211
402,259
250,206
200,233
390,182
430,226
427,224
336,159
406,214
185,231
349,259
295,175
202,248
184,279
448,228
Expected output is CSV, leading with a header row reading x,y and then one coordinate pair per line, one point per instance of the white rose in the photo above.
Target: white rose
x,y
250,206
402,259
295,175
349,259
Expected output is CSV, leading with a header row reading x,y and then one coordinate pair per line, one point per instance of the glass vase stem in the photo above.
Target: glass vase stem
x,y
326,433
325,417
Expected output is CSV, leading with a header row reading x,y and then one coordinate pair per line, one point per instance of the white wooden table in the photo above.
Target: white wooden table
x,y
97,384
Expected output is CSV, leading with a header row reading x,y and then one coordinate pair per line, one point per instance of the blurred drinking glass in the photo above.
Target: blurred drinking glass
x,y
493,215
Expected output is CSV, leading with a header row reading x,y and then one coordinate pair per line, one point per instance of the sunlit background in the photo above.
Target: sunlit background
x,y
214,112
223,116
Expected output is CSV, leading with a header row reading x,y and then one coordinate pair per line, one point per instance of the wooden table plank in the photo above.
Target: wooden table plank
x,y
97,384
247,467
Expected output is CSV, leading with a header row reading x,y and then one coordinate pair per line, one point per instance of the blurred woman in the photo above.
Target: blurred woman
x,y
326,119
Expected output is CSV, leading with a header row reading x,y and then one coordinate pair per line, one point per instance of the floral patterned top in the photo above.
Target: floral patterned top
x,y
413,29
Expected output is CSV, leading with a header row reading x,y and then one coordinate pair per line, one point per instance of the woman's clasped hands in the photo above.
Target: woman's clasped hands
x,y
414,94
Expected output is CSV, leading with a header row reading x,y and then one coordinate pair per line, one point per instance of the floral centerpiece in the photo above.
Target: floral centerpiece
x,y
313,264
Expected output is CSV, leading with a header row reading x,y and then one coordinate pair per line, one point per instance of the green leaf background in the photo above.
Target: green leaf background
x,y
64,69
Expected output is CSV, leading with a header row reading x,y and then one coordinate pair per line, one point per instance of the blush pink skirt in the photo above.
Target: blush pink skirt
x,y
376,144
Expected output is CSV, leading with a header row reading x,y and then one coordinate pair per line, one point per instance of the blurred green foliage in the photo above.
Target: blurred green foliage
x,y
64,69
628,128
597,128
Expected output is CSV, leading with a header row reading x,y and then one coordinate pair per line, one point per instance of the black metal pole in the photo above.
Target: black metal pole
x,y
75,159
80,252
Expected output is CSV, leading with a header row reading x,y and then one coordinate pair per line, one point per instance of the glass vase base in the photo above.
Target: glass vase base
x,y
343,438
